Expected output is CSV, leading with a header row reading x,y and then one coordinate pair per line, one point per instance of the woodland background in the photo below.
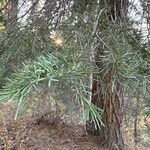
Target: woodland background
x,y
82,63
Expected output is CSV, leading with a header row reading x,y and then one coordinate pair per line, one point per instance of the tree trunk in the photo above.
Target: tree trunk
x,y
137,105
110,135
11,22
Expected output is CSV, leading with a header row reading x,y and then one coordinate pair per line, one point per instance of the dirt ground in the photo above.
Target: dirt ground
x,y
41,133
44,132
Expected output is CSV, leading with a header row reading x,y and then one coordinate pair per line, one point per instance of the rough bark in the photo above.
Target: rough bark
x,y
110,135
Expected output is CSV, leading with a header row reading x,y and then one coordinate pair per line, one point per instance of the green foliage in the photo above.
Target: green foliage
x,y
52,68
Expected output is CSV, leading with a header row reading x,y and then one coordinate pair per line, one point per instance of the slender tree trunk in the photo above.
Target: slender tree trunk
x,y
110,135
11,22
137,105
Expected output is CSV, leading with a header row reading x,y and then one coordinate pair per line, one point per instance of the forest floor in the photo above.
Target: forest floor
x,y
40,133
